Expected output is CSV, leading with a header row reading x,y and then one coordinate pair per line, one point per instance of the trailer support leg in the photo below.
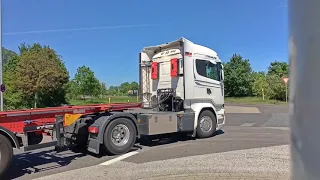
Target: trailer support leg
x,y
60,134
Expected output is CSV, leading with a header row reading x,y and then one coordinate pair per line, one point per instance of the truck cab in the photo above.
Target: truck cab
x,y
183,77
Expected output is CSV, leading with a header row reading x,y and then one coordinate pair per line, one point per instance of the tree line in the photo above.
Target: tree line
x,y
36,76
242,81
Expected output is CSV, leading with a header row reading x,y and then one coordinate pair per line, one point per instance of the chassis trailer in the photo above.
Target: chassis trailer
x,y
26,128
181,90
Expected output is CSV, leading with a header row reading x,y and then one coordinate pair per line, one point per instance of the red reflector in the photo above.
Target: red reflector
x,y
174,67
154,70
38,132
93,129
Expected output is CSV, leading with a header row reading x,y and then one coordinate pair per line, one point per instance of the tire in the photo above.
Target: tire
x,y
127,143
210,124
6,153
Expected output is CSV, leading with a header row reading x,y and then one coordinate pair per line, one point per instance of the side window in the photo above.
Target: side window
x,y
207,69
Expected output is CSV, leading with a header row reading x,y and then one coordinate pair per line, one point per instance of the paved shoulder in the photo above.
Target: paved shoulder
x,y
221,176
259,115
271,161
233,138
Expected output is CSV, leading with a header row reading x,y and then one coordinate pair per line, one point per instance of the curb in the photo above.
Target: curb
x,y
221,176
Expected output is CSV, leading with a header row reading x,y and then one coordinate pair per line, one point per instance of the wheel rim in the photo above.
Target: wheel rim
x,y
205,124
120,135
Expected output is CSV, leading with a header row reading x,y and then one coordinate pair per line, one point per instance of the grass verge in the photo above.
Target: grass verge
x,y
113,99
253,100
124,99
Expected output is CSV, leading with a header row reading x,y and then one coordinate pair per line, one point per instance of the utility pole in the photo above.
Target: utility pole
x,y
304,98
101,89
1,73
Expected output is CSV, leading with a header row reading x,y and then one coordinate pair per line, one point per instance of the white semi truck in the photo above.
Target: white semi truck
x,y
182,83
181,91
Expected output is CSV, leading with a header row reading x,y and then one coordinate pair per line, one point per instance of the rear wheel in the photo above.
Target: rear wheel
x,y
207,124
6,153
119,136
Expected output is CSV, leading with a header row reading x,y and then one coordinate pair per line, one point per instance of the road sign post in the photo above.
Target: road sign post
x,y
2,88
286,93
285,80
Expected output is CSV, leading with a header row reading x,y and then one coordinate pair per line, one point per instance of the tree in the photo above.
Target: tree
x,y
134,86
113,90
36,47
238,77
7,55
13,97
279,69
124,87
103,89
72,90
276,87
87,83
41,76
259,83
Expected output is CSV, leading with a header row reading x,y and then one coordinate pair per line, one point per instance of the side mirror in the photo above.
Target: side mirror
x,y
222,72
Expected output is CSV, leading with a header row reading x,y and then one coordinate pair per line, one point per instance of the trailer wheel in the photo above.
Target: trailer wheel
x,y
119,136
6,153
206,124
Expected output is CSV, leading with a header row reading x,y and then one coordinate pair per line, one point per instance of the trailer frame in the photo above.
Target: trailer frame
x,y
26,128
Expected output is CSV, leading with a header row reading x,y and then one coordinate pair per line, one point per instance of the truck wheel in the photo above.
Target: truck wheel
x,y
6,153
207,124
119,136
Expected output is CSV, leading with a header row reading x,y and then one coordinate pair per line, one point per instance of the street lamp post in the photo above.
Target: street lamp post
x,y
304,88
1,73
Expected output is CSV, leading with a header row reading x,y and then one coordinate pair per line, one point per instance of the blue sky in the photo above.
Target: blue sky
x,y
256,29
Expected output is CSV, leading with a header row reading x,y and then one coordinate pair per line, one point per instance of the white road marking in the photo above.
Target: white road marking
x,y
174,146
280,128
241,109
248,124
124,156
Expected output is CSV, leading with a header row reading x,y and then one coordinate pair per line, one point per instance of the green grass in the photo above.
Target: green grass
x,y
124,99
253,100
113,99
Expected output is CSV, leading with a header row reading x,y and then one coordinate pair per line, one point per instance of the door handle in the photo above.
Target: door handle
x,y
208,91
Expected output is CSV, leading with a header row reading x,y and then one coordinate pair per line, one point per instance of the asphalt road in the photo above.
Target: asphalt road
x,y
244,130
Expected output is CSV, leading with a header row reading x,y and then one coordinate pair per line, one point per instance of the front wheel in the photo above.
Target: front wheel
x,y
119,136
6,153
207,124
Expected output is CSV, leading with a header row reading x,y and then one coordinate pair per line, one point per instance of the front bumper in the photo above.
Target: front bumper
x,y
221,118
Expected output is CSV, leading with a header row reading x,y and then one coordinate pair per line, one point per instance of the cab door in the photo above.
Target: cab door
x,y
215,84
208,77
200,88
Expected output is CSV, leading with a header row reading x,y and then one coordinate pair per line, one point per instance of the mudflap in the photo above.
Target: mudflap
x,y
93,146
